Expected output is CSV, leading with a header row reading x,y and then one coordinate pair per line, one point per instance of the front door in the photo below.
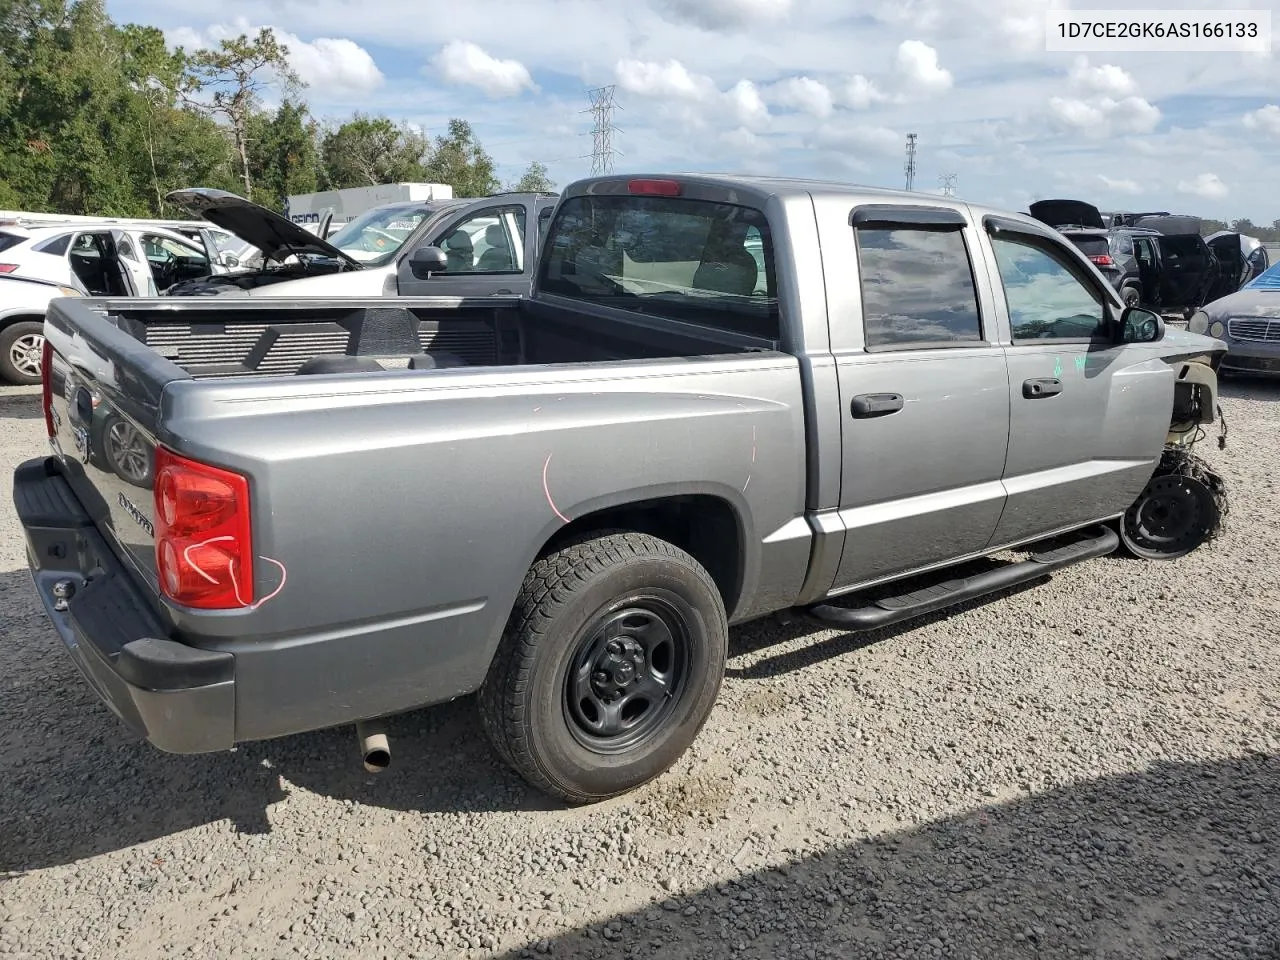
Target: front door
x,y
1088,418
924,395
1144,251
487,255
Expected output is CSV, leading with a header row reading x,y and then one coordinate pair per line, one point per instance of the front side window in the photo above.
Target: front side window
x,y
1047,298
917,288
692,260
491,241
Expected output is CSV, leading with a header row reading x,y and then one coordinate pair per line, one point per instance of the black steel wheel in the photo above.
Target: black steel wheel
x,y
627,673
610,665
1131,296
1172,516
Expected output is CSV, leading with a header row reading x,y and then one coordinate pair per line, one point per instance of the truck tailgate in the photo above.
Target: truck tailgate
x,y
103,390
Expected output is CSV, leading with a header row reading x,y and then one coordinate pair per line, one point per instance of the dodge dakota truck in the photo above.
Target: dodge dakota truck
x,y
726,398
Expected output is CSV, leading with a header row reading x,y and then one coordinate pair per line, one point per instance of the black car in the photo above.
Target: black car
x,y
1159,260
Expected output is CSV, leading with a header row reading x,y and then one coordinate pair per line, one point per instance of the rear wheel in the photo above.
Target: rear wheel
x,y
609,667
1131,296
21,345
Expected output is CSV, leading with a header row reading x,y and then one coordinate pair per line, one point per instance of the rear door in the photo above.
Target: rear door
x,y
924,390
1087,417
487,254
1147,256
1187,269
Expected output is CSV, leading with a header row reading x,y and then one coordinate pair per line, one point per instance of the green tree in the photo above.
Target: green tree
x,y
459,160
283,156
237,72
534,180
366,151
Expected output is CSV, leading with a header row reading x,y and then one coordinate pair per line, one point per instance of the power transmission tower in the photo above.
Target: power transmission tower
x,y
948,181
602,129
911,162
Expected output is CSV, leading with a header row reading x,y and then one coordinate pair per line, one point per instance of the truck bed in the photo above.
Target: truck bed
x,y
237,338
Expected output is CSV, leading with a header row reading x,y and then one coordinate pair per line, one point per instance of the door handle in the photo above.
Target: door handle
x,y
875,405
1035,389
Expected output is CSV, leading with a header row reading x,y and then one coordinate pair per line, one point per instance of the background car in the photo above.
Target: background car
x,y
1248,322
23,302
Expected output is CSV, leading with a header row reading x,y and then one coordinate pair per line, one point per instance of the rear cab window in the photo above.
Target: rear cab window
x,y
696,261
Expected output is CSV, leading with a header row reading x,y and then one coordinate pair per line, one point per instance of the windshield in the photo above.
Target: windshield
x,y
376,235
1268,279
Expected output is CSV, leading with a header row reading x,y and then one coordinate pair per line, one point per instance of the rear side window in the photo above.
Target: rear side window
x,y
692,260
54,246
8,240
917,288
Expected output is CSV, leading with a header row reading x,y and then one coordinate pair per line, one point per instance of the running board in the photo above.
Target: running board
x,y
890,610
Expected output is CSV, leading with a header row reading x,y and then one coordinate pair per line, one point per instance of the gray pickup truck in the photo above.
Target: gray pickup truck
x,y
726,398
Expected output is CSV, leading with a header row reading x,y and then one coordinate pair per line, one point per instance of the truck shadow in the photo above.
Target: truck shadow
x,y
1180,860
77,783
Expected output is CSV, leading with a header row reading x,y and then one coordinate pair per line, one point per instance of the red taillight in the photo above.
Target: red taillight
x,y
654,188
8,267
204,546
1103,260
46,385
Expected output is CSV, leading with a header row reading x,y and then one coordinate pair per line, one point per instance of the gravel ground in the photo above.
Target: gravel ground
x,y
1089,768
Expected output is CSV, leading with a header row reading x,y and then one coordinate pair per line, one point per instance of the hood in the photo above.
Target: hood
x,y
271,233
1248,302
1067,213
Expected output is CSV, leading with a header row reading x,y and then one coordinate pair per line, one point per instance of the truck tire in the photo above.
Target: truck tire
x,y
1130,295
609,666
20,346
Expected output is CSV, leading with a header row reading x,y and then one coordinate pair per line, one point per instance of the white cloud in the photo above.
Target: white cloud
x,y
1265,119
332,66
1105,116
668,79
462,62
1106,80
859,93
1207,185
1120,186
918,68
728,14
804,94
746,104
859,139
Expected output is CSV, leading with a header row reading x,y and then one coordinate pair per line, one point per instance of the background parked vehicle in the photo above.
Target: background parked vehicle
x,y
23,302
392,250
135,261
1248,321
1159,260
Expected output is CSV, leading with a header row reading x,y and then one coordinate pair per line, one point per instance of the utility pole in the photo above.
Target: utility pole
x,y
602,129
948,181
911,162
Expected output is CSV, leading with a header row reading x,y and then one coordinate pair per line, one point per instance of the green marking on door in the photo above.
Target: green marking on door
x,y
1057,367
1080,362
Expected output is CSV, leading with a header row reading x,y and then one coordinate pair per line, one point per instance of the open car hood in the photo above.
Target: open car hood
x,y
276,237
1171,225
1067,213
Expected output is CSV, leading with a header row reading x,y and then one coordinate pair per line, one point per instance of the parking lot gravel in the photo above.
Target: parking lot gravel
x,y
1086,768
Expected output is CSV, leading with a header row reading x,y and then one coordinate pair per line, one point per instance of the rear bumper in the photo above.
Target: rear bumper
x,y
179,698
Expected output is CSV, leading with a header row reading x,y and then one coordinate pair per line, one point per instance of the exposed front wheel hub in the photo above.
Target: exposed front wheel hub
x,y
619,666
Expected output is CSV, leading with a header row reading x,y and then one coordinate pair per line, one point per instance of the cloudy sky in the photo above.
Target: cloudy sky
x,y
825,88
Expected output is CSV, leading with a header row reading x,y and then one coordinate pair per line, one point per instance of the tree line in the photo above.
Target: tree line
x,y
104,119
1269,234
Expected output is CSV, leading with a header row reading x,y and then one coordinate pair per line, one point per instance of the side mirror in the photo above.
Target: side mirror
x,y
1140,325
229,260
427,260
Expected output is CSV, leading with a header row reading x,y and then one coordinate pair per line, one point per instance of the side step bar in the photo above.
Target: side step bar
x,y
890,610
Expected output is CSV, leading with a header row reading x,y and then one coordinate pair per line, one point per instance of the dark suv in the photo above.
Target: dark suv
x,y
1157,259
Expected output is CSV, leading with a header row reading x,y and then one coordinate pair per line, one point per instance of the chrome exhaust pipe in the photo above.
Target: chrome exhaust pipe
x,y
375,749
